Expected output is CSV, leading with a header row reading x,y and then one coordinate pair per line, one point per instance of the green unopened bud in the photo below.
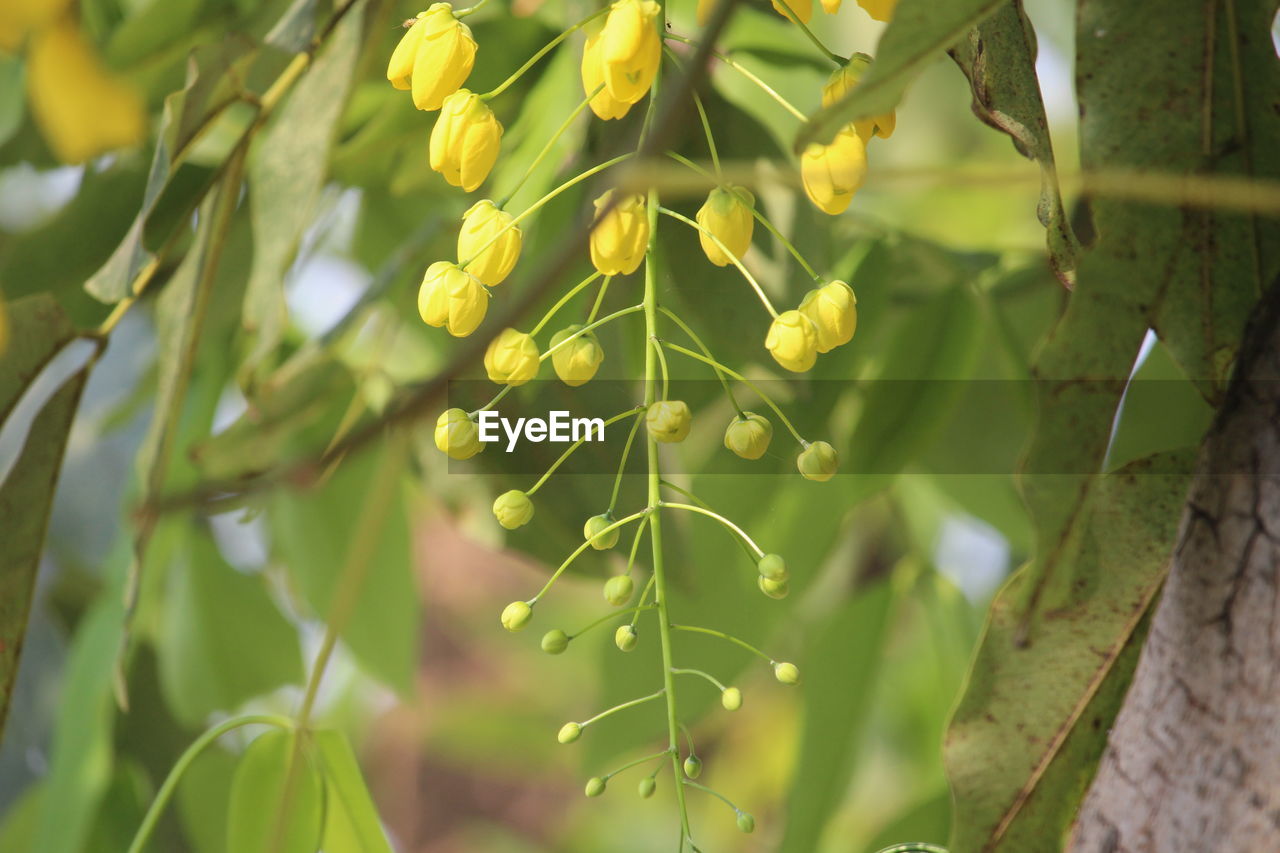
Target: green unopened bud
x,y
818,461
513,509
647,786
731,698
618,589
787,673
555,641
668,420
516,615
625,637
746,822
569,732
773,589
693,767
595,786
749,435
591,531
773,567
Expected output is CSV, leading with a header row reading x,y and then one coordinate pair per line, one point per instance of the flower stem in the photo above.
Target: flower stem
x,y
574,291
624,706
497,398
571,448
697,500
605,618
786,10
546,149
584,546
662,364
622,467
631,764
595,307
722,635
751,280
718,517
708,676
700,345
736,66
589,327
545,49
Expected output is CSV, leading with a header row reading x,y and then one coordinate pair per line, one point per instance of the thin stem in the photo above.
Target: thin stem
x,y
718,517
546,149
497,398
546,48
708,676
622,466
702,115
764,87
569,560
688,737
590,327
471,10
571,448
700,345
184,762
631,559
786,10
574,291
745,381
662,363
730,255
624,706
637,610
644,596
595,307
631,764
746,549
722,635
714,793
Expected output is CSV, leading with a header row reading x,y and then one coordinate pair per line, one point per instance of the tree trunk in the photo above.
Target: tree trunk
x,y
1193,762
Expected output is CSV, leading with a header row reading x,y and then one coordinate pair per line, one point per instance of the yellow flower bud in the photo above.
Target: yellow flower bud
x,y
452,298
831,174
841,82
81,108
619,237
772,588
17,19
819,461
569,732
793,341
591,531
731,698
881,10
748,436
631,48
465,140
577,361
513,509
512,358
433,58
831,6
833,308
668,420
786,673
727,215
516,615
480,225
802,9
457,435
603,104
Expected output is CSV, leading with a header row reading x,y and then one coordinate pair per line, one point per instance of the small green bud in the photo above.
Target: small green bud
x,y
819,461
773,567
591,531
555,641
787,673
773,589
748,436
516,615
618,589
668,420
595,786
647,786
513,509
693,767
731,698
746,822
569,732
625,637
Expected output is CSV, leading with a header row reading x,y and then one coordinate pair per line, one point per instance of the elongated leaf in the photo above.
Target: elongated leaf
x,y
269,812
919,32
999,58
351,821
1033,719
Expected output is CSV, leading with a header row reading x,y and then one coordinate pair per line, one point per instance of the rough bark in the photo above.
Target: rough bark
x,y
1193,762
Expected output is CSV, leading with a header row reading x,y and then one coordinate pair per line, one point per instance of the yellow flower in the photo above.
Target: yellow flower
x,y
793,341
748,435
451,298
818,462
513,509
631,48
480,225
727,214
881,10
841,82
833,308
81,108
802,9
831,174
457,435
620,237
433,58
512,358
603,104
668,420
20,17
465,140
577,361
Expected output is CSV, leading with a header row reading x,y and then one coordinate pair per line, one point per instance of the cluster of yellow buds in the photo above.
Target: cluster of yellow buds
x,y
620,58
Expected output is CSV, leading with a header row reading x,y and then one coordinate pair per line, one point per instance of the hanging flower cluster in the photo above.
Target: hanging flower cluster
x,y
621,59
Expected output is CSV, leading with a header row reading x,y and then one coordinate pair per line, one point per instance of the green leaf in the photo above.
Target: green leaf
x,y
841,663
1033,719
287,168
270,812
999,58
919,32
351,820
222,640
203,796
1162,411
